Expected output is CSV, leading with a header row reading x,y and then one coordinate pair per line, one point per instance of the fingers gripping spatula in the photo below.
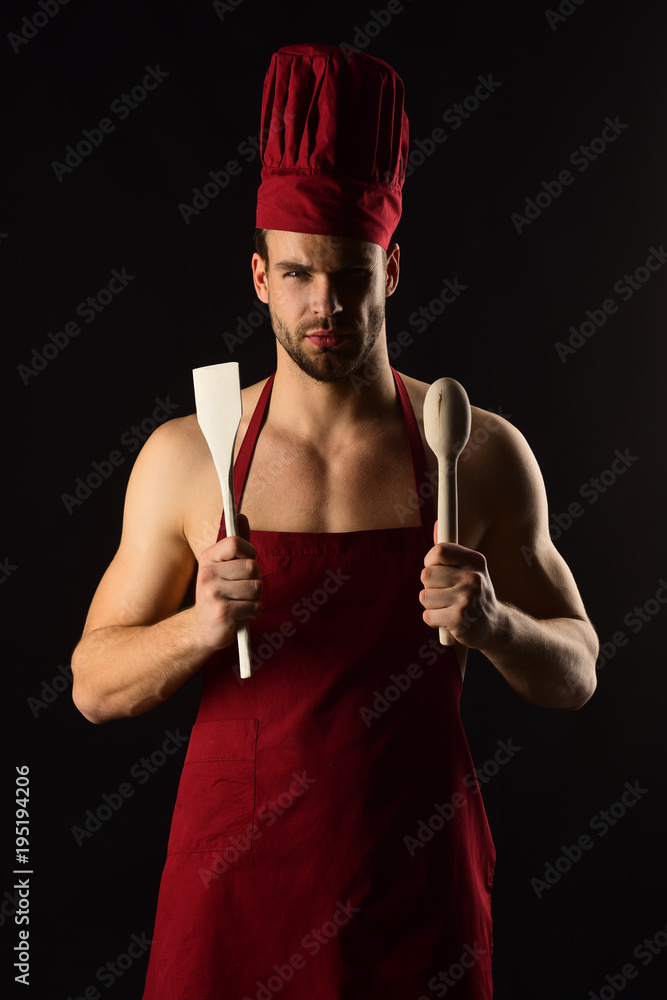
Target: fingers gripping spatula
x,y
218,402
447,428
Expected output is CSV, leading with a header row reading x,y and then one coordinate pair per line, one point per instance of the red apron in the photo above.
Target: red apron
x,y
329,841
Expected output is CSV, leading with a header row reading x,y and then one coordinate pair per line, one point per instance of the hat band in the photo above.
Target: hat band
x,y
303,201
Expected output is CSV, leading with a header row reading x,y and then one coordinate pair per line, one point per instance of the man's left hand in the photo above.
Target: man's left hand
x,y
459,595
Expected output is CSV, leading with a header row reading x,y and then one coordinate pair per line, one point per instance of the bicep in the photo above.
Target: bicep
x,y
525,567
152,569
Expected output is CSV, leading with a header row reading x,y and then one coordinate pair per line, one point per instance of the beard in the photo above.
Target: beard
x,y
331,364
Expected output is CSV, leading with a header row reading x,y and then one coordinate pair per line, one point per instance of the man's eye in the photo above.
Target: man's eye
x,y
296,274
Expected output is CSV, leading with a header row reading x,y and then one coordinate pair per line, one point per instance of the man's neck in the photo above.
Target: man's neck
x,y
313,410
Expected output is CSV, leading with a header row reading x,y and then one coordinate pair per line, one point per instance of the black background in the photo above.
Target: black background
x,y
119,208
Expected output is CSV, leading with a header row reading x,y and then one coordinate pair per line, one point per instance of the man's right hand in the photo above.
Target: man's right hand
x,y
139,643
228,588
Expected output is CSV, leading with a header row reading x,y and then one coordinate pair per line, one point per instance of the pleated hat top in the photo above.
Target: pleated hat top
x,y
334,144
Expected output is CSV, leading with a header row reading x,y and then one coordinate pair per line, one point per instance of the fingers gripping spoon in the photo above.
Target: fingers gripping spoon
x,y
447,428
218,403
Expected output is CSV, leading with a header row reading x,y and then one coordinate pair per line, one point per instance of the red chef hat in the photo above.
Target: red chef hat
x,y
334,144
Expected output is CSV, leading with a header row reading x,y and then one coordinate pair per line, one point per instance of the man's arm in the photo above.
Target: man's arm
x,y
137,648
516,599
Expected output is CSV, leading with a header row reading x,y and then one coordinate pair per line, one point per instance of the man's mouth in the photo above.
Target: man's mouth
x,y
324,338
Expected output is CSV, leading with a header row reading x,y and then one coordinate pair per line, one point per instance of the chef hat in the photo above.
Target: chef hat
x,y
334,144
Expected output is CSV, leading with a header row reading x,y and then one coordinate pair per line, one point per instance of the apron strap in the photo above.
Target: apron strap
x,y
244,457
247,448
420,468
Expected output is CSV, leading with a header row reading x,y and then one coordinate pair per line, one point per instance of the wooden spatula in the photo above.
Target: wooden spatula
x,y
447,428
218,402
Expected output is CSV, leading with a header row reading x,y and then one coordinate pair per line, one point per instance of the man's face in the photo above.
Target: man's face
x,y
326,296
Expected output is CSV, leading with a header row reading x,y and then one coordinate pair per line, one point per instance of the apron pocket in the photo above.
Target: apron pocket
x,y
216,795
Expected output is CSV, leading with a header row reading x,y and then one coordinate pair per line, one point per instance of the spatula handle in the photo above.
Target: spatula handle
x,y
232,525
448,528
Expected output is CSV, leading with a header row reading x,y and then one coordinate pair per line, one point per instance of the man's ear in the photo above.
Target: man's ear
x,y
260,277
393,267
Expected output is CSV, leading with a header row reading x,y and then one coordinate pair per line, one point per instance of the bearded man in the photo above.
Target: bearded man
x,y
329,840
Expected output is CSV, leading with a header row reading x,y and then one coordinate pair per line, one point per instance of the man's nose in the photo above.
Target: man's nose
x,y
325,300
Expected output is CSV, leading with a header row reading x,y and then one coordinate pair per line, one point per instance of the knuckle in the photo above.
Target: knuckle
x,y
223,605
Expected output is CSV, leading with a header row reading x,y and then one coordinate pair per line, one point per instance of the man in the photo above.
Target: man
x,y
329,839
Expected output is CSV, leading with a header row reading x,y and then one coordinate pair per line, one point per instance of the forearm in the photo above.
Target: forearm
x,y
123,670
550,663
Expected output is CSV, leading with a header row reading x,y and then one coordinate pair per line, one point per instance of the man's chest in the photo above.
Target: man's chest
x,y
361,486
353,486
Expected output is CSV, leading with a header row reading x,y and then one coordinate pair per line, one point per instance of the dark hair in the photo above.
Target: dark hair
x,y
261,246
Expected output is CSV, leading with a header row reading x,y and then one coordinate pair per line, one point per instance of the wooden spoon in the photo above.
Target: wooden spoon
x,y
219,409
447,428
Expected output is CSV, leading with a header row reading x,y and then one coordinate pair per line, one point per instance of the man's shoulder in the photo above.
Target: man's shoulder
x,y
497,453
483,422
178,445
174,452
176,433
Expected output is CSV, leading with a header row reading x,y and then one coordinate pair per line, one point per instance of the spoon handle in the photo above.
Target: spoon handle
x,y
448,529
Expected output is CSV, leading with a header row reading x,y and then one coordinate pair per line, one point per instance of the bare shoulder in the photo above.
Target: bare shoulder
x,y
485,424
166,470
175,478
504,464
497,469
181,443
175,449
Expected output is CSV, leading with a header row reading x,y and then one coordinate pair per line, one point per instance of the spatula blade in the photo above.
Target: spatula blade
x,y
219,410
